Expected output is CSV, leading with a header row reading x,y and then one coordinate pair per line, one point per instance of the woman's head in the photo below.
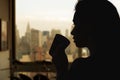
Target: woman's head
x,y
93,20
83,23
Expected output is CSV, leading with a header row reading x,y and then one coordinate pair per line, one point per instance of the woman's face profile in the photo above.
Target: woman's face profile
x,y
79,32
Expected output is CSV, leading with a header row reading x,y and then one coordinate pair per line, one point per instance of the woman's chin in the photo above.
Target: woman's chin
x,y
78,45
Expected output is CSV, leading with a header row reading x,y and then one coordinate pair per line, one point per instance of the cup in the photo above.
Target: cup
x,y
58,40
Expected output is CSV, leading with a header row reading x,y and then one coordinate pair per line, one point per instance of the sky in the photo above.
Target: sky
x,y
47,14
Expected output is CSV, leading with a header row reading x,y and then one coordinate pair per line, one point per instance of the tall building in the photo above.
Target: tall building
x,y
40,39
45,36
28,33
34,38
46,33
55,31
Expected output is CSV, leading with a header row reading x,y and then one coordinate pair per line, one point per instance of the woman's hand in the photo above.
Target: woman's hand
x,y
57,51
61,62
59,58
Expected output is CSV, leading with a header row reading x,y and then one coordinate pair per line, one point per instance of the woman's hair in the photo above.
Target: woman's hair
x,y
100,16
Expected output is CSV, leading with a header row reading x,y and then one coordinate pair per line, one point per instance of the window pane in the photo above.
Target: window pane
x,y
4,44
37,22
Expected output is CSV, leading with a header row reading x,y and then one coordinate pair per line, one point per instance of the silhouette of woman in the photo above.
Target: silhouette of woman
x,y
97,25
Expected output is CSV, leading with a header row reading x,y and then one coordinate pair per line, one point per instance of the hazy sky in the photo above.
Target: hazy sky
x,y
47,14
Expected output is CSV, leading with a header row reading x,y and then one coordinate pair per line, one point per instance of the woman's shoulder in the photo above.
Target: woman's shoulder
x,y
80,61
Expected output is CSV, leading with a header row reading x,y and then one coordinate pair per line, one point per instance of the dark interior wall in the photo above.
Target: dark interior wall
x,y
4,11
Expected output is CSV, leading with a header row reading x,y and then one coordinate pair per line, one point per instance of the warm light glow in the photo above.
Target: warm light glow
x,y
85,52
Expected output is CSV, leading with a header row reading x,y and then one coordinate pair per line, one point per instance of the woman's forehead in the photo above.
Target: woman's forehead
x,y
76,17
79,19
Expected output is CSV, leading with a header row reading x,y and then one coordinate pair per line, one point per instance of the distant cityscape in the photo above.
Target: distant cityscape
x,y
35,45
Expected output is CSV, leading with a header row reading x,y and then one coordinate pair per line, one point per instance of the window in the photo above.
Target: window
x,y
3,33
37,22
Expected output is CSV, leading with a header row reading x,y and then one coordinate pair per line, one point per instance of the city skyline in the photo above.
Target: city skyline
x,y
47,14
44,14
36,42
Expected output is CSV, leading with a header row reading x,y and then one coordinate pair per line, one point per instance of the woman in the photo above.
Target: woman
x,y
97,27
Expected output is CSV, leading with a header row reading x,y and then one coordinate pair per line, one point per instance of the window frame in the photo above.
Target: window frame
x,y
0,34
